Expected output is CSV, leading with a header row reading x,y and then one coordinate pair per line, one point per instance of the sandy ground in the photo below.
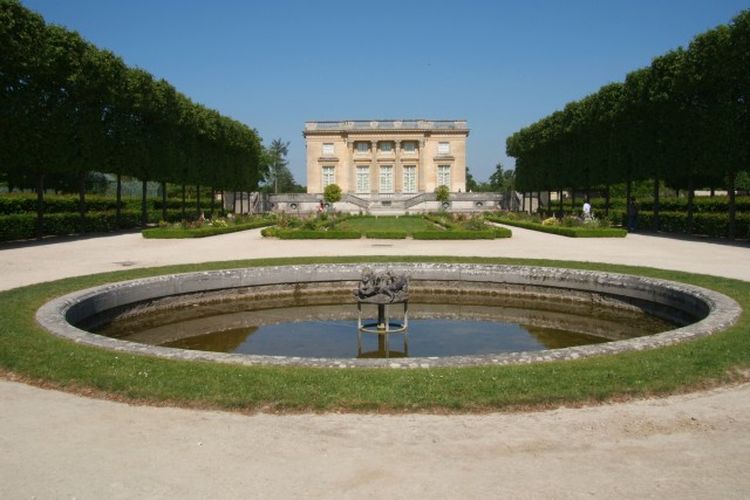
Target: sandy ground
x,y
58,445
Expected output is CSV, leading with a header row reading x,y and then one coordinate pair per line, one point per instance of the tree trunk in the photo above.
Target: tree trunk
x,y
234,202
523,201
213,198
606,201
560,203
40,206
732,207
82,202
164,201
183,202
713,191
144,203
223,201
656,204
573,200
549,203
690,196
198,198
118,208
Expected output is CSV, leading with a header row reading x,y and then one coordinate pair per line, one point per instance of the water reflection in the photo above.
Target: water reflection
x,y
488,325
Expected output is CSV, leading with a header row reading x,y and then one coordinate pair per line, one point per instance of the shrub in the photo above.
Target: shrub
x,y
442,194
581,231
332,193
454,235
318,235
715,225
386,235
202,231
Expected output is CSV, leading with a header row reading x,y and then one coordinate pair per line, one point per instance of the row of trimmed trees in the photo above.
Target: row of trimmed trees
x,y
683,121
67,106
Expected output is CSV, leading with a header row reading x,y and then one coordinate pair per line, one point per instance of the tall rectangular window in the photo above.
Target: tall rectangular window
x,y
386,179
327,149
410,178
444,176
363,179
385,146
363,147
444,148
328,176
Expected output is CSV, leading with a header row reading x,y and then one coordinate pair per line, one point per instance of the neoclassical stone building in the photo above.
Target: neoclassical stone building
x,y
386,158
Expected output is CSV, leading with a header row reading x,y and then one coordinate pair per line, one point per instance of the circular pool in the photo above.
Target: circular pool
x,y
460,314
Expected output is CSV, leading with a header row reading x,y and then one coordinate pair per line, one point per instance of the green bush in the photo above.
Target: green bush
x,y
715,225
19,203
572,232
502,232
455,235
303,234
385,235
201,232
23,226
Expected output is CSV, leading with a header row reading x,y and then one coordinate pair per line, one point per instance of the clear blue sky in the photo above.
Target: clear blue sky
x,y
499,64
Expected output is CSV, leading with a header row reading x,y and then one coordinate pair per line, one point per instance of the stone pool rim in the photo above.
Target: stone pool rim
x,y
723,311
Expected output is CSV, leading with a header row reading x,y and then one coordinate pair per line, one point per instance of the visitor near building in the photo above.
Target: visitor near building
x,y
586,210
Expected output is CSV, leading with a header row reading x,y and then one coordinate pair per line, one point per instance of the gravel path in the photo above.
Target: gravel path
x,y
58,445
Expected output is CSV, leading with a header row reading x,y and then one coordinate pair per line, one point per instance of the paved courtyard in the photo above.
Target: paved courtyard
x,y
58,445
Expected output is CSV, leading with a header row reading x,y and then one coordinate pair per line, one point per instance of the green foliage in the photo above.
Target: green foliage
x,y
75,108
488,234
442,194
455,226
386,235
570,231
306,234
710,224
332,193
220,226
23,226
682,121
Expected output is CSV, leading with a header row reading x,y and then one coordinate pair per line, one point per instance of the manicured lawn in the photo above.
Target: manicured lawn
x,y
29,353
417,227
405,224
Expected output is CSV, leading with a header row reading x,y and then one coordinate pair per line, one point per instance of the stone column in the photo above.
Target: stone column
x,y
398,175
374,169
349,162
421,166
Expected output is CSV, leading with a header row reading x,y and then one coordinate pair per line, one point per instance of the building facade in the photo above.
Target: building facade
x,y
386,157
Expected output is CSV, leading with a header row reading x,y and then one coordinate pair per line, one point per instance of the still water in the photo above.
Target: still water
x,y
474,326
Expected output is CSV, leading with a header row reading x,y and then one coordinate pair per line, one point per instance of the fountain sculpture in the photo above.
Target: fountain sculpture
x,y
383,290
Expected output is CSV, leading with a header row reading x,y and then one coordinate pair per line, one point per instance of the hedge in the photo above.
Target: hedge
x,y
199,232
714,225
455,235
19,203
668,204
23,226
386,235
306,234
571,232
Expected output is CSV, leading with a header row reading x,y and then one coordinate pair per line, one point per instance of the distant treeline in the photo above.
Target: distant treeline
x,y
683,121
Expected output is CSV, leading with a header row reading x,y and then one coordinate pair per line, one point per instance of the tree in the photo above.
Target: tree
x,y
277,162
471,183
497,179
442,193
332,193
